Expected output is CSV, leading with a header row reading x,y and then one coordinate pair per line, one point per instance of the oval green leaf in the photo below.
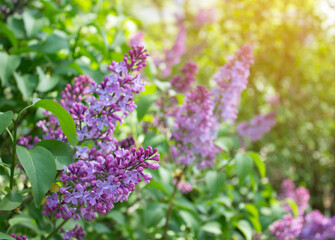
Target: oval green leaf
x,y
65,119
259,163
61,151
5,120
40,167
243,165
11,201
5,236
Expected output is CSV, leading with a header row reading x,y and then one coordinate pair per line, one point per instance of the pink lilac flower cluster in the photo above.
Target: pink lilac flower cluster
x,y
300,195
184,83
195,130
17,237
287,228
231,80
108,170
184,187
205,17
76,233
173,55
257,127
312,226
137,39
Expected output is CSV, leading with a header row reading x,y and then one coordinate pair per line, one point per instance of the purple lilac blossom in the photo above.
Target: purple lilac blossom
x,y
126,143
17,237
184,83
76,233
288,228
93,185
195,130
300,196
104,173
231,80
137,39
317,227
205,17
28,141
312,226
257,127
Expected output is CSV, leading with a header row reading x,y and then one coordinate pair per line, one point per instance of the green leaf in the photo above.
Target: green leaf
x,y
212,227
11,201
26,84
46,83
61,151
158,185
55,42
40,167
294,206
252,209
4,29
256,223
259,163
144,104
153,214
243,165
191,220
23,220
5,120
32,25
245,228
8,65
16,25
117,216
65,119
5,236
215,182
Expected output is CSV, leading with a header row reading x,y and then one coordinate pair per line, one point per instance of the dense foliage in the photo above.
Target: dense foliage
x,y
166,120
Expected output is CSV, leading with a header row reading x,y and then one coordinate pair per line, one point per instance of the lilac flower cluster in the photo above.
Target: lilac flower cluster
x,y
97,108
106,171
17,237
183,186
205,17
137,39
77,233
287,228
312,226
300,195
317,227
184,83
126,143
94,184
257,127
231,80
173,55
28,141
195,130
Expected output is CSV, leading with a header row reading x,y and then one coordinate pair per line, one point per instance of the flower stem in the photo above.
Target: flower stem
x,y
57,229
12,168
168,213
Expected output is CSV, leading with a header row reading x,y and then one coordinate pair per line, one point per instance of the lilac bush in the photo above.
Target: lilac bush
x,y
311,226
257,127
